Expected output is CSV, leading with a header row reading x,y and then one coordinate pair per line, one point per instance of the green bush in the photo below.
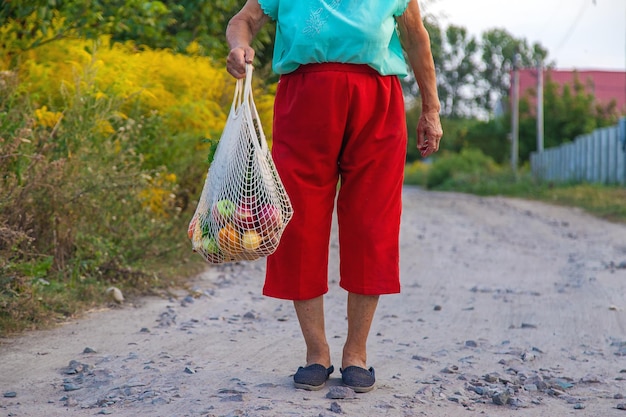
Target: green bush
x,y
103,155
76,213
416,173
470,165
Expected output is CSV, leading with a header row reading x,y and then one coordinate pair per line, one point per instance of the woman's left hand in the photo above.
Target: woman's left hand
x,y
429,133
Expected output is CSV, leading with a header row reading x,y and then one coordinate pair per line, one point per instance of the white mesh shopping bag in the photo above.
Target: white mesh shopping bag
x,y
244,207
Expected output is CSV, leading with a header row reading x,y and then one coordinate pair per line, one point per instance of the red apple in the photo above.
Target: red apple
x,y
249,202
269,218
244,217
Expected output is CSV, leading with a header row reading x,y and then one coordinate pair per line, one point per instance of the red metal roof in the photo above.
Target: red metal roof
x,y
604,85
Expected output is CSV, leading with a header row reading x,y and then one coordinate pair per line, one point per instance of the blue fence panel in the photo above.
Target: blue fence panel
x,y
599,157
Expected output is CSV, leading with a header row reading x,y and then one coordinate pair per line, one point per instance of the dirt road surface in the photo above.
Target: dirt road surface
x,y
508,308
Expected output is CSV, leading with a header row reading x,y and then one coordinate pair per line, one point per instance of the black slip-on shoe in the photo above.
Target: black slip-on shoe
x,y
359,379
312,377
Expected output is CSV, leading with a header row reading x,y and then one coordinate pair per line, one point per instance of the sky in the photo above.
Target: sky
x,y
578,34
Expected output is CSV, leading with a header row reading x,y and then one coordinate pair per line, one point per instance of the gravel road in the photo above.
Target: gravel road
x,y
508,308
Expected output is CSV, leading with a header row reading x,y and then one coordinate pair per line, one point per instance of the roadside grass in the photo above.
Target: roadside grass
x,y
606,202
32,300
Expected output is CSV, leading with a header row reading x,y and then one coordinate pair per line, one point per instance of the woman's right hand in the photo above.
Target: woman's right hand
x,y
242,28
237,59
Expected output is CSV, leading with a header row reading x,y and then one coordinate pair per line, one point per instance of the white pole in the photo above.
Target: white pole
x,y
539,105
515,116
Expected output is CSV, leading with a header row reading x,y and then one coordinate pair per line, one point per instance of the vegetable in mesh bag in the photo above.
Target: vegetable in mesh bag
x,y
244,207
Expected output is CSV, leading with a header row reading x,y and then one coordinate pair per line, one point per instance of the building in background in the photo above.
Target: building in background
x,y
606,86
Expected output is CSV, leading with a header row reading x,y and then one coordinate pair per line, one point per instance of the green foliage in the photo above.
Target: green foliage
x,y
412,118
455,132
416,173
103,153
460,133
603,201
473,74
470,165
53,177
168,24
498,51
457,70
569,111
491,137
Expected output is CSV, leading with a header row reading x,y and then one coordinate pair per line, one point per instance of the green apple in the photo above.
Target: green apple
x,y
223,211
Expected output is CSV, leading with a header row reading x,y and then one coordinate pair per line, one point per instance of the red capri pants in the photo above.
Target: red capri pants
x,y
339,123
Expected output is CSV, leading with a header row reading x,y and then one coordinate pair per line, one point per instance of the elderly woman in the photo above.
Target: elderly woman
x,y
339,119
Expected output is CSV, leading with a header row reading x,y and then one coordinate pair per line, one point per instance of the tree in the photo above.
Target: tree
x,y
498,50
458,72
454,53
569,111
170,24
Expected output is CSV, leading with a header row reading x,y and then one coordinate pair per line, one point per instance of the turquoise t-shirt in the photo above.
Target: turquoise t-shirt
x,y
346,31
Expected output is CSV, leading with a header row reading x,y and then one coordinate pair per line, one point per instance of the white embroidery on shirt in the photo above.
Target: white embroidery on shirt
x,y
318,18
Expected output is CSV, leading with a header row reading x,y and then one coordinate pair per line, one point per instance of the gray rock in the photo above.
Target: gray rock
x,y
70,387
555,392
340,393
233,398
492,378
479,390
457,398
75,367
422,359
335,408
250,316
621,351
500,398
159,401
561,384
591,379
70,402
10,394
538,381
452,369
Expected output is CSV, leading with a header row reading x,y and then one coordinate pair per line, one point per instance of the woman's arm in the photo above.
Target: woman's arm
x,y
242,28
416,43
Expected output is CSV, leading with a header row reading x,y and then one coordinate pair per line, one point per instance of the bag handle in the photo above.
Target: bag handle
x,y
238,96
252,112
